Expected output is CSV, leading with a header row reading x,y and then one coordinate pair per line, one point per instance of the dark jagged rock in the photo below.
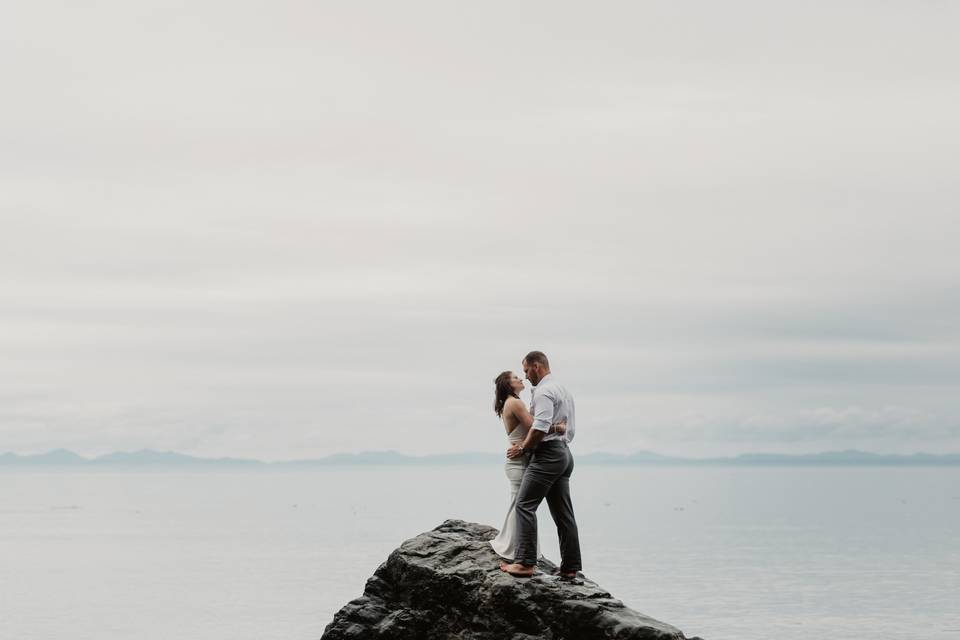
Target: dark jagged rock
x,y
446,584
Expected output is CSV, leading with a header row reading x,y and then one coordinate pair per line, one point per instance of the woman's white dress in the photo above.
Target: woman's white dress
x,y
505,544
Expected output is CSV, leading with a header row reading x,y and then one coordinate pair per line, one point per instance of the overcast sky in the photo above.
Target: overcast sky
x,y
288,229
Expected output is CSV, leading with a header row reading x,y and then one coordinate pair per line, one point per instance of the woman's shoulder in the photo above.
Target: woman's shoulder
x,y
512,402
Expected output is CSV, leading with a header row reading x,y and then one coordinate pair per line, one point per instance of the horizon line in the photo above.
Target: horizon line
x,y
155,456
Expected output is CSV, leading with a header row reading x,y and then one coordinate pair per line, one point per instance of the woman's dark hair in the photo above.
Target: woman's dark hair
x,y
503,389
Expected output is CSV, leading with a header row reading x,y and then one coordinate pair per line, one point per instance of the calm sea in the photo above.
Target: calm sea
x,y
726,553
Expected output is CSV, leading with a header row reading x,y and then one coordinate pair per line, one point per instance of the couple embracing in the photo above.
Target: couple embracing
x,y
539,464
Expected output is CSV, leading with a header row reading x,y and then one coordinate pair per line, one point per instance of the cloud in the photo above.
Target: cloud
x,y
313,229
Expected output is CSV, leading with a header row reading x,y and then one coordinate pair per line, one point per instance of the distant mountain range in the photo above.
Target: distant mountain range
x,y
148,458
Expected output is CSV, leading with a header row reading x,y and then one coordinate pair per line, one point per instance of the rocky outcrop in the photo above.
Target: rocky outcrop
x,y
446,583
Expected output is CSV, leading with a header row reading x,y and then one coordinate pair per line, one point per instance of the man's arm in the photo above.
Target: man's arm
x,y
542,413
519,411
542,420
534,436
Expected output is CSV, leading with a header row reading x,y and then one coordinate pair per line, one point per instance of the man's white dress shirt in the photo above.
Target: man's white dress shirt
x,y
552,403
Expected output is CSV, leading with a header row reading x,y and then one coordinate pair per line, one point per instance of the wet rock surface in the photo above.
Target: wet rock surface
x,y
446,583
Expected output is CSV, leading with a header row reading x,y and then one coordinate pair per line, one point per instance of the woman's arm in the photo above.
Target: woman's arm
x,y
525,418
520,412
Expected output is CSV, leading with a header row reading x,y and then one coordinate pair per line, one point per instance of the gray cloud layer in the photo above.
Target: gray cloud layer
x,y
290,229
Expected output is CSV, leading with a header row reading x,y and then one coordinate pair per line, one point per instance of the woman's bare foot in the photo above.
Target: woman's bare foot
x,y
518,570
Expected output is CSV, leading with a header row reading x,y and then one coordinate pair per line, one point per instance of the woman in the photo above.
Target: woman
x,y
517,421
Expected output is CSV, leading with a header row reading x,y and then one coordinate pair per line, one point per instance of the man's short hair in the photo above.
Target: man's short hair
x,y
537,357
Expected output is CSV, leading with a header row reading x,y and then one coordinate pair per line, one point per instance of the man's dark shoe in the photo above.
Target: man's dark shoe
x,y
574,578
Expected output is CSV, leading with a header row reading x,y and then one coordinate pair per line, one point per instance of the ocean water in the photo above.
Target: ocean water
x,y
725,553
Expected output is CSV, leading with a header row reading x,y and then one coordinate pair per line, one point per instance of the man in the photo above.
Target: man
x,y
548,473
